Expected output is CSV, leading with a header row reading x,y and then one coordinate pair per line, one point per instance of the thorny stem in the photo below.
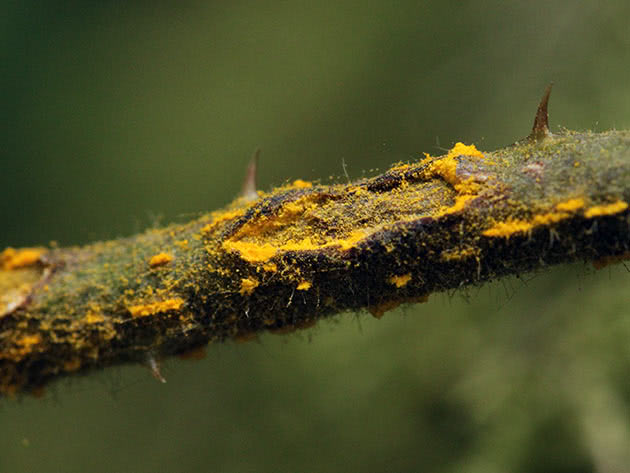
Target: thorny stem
x,y
305,251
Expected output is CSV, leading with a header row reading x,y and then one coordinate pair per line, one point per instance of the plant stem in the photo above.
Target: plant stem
x,y
303,252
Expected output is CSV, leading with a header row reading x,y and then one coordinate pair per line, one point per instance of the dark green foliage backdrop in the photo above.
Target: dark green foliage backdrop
x,y
121,114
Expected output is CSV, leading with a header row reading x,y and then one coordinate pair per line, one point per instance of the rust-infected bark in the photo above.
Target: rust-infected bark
x,y
304,252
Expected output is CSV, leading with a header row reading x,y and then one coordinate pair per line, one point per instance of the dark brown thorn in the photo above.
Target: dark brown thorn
x,y
154,366
248,191
540,129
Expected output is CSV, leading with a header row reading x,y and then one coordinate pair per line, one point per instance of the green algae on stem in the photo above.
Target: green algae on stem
x,y
303,252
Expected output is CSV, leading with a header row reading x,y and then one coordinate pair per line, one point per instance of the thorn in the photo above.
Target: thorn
x,y
540,129
249,183
154,366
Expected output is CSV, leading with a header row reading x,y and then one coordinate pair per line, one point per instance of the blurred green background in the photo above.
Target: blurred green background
x,y
121,115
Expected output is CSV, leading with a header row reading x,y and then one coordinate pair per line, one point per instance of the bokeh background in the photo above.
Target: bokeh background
x,y
120,115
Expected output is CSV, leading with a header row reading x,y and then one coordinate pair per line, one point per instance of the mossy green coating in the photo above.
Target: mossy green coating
x,y
304,252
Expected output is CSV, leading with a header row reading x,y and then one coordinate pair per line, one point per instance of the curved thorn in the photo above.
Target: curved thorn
x,y
248,191
540,129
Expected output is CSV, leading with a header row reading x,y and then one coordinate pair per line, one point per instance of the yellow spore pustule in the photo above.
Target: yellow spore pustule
x,y
304,286
143,310
401,280
571,205
248,285
12,258
446,166
301,184
607,209
255,252
160,259
508,228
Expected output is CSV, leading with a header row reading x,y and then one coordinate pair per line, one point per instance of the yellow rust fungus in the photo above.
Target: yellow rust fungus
x,y
460,204
401,280
563,211
93,317
222,216
12,258
265,236
28,341
571,205
151,308
459,253
300,184
466,150
508,228
607,209
549,218
512,226
160,259
304,286
251,252
259,252
22,347
248,285
446,166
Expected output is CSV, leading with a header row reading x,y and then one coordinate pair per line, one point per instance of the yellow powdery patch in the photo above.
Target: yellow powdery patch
x,y
508,228
251,252
460,204
222,216
466,150
93,318
142,310
446,167
300,184
248,285
608,209
459,253
23,346
11,258
549,218
28,341
287,214
258,252
304,286
160,259
571,205
400,281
